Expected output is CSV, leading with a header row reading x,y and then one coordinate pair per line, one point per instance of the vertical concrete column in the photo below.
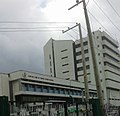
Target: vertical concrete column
x,y
65,109
77,112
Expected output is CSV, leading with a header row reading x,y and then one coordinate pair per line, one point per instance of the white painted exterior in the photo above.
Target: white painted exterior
x,y
4,85
15,83
108,63
58,56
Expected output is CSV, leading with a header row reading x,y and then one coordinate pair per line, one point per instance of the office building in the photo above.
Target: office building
x,y
68,55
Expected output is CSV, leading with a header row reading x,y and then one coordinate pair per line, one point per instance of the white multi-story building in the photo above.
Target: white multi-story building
x,y
59,57
107,56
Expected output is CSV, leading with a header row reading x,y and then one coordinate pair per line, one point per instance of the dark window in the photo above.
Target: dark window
x,y
98,46
65,71
99,62
85,43
51,90
100,71
49,56
50,63
88,67
98,54
105,63
78,53
50,70
45,89
64,57
86,51
97,37
87,59
65,64
80,68
64,50
77,45
79,61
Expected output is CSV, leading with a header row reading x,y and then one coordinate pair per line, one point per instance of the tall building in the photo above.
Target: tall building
x,y
59,58
69,52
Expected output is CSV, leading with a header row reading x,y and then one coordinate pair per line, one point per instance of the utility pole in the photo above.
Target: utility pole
x,y
96,72
84,72
84,68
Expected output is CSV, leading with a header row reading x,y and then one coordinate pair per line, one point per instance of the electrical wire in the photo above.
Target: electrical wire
x,y
11,28
32,22
71,36
113,8
106,16
28,30
99,23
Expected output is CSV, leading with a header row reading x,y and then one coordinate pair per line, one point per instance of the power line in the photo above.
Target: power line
x,y
28,30
99,22
11,28
113,8
107,16
32,22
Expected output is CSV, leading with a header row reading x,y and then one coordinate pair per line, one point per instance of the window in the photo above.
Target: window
x,y
65,71
97,37
80,68
25,87
99,62
49,56
39,88
100,71
77,45
50,70
79,61
78,53
51,90
86,51
85,43
87,59
61,91
50,63
88,67
45,89
98,46
64,57
98,54
65,64
56,90
31,87
64,50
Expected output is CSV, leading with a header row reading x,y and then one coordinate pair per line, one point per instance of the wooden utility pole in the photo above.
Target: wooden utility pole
x,y
96,72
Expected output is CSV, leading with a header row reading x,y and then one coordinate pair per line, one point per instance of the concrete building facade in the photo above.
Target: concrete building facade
x,y
108,63
59,58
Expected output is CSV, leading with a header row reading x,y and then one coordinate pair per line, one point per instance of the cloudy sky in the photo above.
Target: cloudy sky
x,y
26,25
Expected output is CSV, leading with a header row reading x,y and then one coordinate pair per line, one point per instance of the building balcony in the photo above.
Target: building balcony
x,y
108,38
108,68
110,53
109,45
112,63
112,84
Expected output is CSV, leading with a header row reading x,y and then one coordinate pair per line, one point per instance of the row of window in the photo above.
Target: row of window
x,y
79,53
81,68
84,43
80,60
53,90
